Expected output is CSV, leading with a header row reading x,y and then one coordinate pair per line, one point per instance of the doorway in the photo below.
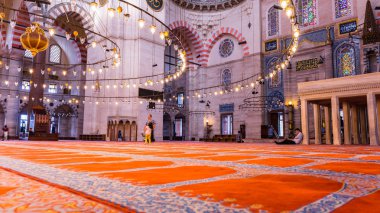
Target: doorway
x,y
276,120
226,124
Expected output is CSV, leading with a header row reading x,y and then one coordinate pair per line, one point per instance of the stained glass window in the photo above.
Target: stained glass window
x,y
342,8
272,22
307,12
226,48
226,78
346,60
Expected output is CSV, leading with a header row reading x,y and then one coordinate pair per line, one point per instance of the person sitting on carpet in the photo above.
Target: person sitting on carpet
x,y
297,139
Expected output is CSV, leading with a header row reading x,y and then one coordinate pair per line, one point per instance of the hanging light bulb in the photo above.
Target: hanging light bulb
x,y
111,12
64,72
152,29
284,3
31,71
93,44
126,16
44,86
162,35
73,3
51,31
289,11
82,40
13,23
141,23
94,6
119,9
296,33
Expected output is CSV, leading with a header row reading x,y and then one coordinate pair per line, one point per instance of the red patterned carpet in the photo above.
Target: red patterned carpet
x,y
187,177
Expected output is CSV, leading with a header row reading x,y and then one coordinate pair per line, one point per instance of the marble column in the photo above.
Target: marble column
x,y
355,124
363,126
12,116
346,122
305,121
317,123
328,125
335,120
372,119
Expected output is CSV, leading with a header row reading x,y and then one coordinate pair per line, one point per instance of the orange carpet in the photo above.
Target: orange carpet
x,y
371,158
97,167
280,162
366,204
186,177
74,160
170,175
273,193
228,158
332,155
4,190
362,168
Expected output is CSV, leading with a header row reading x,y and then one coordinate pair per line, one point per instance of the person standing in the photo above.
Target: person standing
x,y
5,130
152,125
119,136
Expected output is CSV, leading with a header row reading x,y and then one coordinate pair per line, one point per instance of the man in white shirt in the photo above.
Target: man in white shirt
x,y
297,139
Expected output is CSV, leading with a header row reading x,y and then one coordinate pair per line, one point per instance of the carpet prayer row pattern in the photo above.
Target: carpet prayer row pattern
x,y
187,177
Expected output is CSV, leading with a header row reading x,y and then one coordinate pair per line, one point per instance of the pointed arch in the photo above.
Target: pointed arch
x,y
273,21
216,37
193,44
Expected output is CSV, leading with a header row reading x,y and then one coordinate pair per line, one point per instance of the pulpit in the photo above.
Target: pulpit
x,y
41,126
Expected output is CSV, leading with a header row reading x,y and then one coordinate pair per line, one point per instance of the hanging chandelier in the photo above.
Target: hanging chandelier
x,y
34,39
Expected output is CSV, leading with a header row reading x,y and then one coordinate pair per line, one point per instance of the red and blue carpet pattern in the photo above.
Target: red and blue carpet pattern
x,y
187,177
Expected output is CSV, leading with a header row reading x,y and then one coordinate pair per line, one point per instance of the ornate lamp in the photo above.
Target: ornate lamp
x,y
34,39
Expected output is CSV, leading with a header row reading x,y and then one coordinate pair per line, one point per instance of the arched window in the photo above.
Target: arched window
x,y
346,63
226,78
342,8
273,21
55,54
307,12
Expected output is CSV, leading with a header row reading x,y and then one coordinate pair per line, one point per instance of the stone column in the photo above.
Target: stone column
x,y
335,120
372,119
328,125
347,121
317,123
363,126
12,116
355,124
305,121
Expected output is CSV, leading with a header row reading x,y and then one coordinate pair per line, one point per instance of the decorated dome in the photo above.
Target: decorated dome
x,y
207,4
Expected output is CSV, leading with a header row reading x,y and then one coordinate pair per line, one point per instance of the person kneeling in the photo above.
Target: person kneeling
x,y
297,139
